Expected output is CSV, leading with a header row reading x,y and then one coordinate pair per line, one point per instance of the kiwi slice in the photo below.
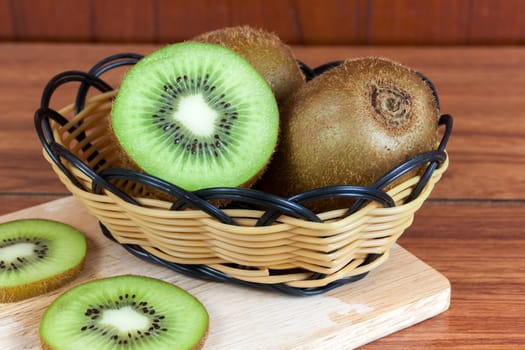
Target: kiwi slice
x,y
124,312
197,115
37,256
270,56
351,125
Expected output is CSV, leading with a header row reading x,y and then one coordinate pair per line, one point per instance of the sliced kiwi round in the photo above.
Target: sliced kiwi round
x,y
124,312
37,256
265,51
350,125
197,115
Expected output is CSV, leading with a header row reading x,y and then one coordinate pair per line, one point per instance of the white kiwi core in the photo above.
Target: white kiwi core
x,y
195,114
125,319
18,250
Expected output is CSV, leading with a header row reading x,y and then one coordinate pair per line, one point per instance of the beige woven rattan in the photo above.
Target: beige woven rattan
x,y
288,251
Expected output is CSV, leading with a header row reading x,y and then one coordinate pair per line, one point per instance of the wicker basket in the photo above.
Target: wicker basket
x,y
259,239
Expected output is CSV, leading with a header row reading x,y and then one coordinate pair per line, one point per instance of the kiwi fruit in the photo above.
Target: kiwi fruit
x,y
267,53
124,312
197,115
350,125
37,256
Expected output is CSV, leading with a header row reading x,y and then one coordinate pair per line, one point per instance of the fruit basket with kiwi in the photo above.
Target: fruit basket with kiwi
x,y
226,158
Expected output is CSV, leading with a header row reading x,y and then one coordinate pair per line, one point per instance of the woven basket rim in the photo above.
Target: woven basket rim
x,y
289,254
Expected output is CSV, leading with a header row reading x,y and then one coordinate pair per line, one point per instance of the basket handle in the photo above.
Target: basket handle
x,y
43,130
101,67
45,114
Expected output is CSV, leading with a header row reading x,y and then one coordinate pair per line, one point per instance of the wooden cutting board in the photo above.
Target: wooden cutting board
x,y
400,293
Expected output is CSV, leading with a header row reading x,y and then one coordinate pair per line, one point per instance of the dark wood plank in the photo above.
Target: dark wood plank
x,y
180,20
417,22
479,248
56,20
508,15
280,17
177,20
124,21
348,22
6,21
304,22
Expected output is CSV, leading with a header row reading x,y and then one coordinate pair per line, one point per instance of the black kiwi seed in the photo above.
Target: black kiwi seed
x,y
39,252
93,313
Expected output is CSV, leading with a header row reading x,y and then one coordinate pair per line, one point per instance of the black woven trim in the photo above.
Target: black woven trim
x,y
189,199
432,87
365,194
273,206
105,65
308,72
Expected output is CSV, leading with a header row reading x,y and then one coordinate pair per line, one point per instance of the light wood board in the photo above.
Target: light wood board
x,y
400,293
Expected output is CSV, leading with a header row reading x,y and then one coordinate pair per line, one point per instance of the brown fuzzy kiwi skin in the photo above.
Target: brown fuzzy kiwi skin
x,y
17,293
265,51
343,128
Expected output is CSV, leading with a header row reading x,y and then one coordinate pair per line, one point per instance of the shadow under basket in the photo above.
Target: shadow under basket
x,y
259,239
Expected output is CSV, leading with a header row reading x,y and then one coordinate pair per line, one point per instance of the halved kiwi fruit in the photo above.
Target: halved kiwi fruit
x,y
350,125
124,312
37,256
270,56
196,115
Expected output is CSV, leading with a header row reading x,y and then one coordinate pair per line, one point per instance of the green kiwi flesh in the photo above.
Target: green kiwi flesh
x,y
124,312
350,126
196,115
270,56
37,256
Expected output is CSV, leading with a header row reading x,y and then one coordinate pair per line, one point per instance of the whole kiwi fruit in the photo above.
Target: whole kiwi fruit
x,y
351,125
265,51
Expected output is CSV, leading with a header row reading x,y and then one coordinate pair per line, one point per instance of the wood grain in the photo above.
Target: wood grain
x,y
133,26
41,20
480,249
12,202
484,13
401,292
471,229
6,21
436,21
299,22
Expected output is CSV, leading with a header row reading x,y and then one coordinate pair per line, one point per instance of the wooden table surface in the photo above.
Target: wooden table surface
x,y
472,229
